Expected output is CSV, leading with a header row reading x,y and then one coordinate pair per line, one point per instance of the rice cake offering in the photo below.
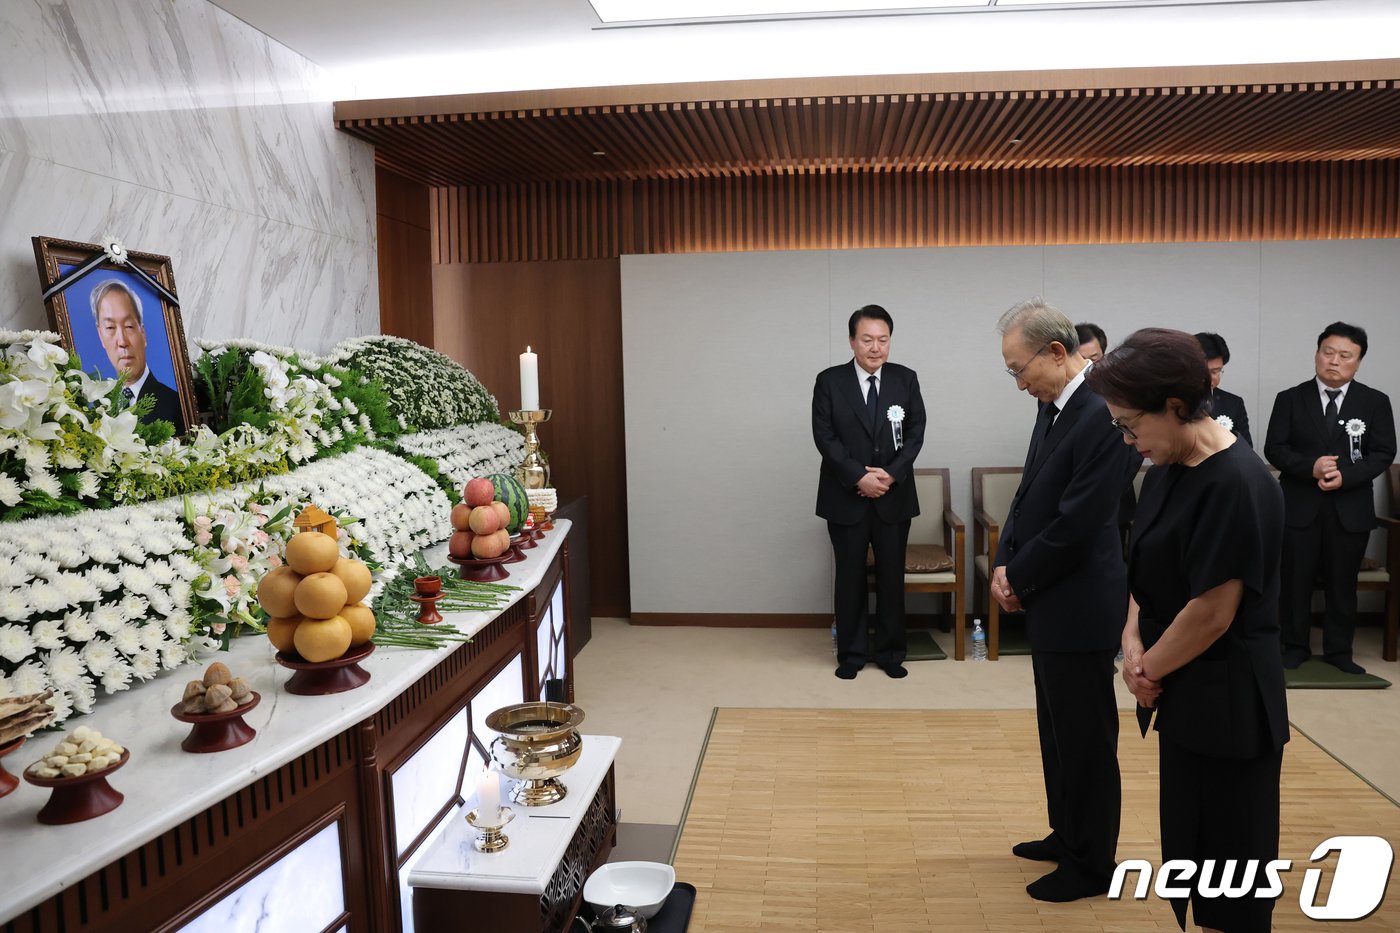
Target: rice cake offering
x,y
19,716
82,751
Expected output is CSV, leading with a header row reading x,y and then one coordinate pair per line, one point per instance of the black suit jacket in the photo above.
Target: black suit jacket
x,y
1297,436
848,443
1232,407
1060,545
167,407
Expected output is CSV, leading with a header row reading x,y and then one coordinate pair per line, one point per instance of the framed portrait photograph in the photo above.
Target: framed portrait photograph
x,y
121,322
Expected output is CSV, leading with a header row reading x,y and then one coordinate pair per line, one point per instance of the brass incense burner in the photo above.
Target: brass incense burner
x,y
537,743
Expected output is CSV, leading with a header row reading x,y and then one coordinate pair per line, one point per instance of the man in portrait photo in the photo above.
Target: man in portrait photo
x,y
121,328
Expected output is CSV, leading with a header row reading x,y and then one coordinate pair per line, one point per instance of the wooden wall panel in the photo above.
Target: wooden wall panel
x,y
570,312
843,209
405,257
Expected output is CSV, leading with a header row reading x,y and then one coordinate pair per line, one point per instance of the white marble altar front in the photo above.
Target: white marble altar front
x,y
186,133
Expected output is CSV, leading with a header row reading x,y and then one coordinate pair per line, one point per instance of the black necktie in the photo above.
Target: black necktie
x,y
1331,411
128,395
872,401
1042,428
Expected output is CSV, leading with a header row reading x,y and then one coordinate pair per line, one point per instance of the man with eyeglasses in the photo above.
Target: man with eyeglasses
x,y
1061,562
1224,405
1329,437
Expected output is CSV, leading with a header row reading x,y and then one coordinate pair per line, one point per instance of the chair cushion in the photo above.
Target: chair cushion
x,y
980,563
920,558
1370,563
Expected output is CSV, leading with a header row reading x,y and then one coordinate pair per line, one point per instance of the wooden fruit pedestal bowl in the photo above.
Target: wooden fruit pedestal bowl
x,y
482,569
8,782
326,677
75,799
217,732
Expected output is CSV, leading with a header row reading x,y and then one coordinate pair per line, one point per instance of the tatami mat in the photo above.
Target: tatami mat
x,y
858,821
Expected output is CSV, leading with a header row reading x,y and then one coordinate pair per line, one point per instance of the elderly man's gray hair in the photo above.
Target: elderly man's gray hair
x,y
1039,322
115,285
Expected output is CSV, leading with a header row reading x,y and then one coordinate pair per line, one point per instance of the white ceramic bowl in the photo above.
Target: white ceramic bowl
x,y
643,886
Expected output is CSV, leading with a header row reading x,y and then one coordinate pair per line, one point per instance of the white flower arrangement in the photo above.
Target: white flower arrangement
x,y
428,389
1226,422
468,450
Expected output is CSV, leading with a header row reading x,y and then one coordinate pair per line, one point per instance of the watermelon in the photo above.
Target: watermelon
x,y
511,492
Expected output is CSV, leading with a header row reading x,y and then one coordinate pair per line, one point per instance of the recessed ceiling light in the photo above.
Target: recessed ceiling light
x,y
599,152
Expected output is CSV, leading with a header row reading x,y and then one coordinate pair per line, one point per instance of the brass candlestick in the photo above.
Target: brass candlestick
x,y
533,472
491,838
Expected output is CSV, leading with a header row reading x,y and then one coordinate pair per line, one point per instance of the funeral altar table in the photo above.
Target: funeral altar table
x,y
313,825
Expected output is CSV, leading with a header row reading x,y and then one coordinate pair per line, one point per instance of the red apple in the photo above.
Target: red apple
x,y
460,545
484,520
479,491
461,512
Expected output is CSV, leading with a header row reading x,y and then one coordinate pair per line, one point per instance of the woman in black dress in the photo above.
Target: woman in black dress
x,y
1201,645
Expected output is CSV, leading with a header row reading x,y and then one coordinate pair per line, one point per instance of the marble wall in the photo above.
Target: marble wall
x,y
190,134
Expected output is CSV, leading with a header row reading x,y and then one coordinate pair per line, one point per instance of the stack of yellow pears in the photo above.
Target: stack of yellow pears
x,y
314,599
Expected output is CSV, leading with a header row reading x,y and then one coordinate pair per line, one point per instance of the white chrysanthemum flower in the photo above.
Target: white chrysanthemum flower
x,y
68,556
185,567
16,643
84,696
44,597
10,493
160,604
103,552
105,580
107,618
67,459
99,656
89,484
162,574
181,593
62,707
78,627
127,640
29,677
65,666
48,633
152,636
177,626
135,579
45,482
145,665
172,656
14,606
134,607
133,552
117,677
74,589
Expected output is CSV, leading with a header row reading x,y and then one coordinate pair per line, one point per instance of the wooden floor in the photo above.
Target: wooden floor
x,y
880,821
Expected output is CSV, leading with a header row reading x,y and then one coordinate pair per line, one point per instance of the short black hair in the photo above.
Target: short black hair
x,y
875,313
1087,332
1214,345
1356,335
1153,365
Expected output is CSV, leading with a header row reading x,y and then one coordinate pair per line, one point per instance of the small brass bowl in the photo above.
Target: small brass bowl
x,y
537,743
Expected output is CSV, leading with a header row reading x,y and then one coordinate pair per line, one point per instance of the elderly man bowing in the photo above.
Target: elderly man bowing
x,y
1061,561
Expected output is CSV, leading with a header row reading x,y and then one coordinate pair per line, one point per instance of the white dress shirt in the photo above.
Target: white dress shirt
x,y
1063,398
864,378
1322,388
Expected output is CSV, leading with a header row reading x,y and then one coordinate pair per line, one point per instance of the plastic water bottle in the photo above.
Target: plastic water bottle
x,y
833,636
979,641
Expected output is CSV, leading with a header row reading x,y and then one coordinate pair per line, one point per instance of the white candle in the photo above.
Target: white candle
x,y
529,381
488,798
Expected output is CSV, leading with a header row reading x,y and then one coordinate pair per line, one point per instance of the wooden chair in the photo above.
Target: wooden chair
x,y
937,538
993,488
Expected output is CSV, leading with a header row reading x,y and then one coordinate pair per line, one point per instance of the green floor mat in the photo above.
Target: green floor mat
x,y
922,647
1011,637
1316,674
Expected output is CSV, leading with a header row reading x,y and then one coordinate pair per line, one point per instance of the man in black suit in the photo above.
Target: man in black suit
x,y
121,327
868,423
1093,342
1329,437
1061,560
1223,404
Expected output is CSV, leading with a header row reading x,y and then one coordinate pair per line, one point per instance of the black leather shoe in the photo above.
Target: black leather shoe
x,y
894,670
1345,665
847,671
1293,658
1039,850
1065,884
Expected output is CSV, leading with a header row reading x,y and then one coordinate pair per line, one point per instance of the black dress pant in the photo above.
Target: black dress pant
x,y
1327,547
1077,714
849,544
